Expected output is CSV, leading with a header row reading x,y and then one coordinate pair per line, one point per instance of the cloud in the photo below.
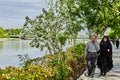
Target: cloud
x,y
12,11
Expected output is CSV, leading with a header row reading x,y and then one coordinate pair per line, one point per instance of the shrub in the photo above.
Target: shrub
x,y
67,65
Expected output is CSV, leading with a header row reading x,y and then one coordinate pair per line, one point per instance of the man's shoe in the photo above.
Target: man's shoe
x,y
91,76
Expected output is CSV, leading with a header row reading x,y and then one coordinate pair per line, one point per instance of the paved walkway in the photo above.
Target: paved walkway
x,y
114,74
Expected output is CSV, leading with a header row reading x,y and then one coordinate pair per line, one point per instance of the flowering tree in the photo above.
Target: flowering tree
x,y
51,30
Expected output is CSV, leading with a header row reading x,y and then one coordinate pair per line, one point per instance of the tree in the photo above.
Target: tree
x,y
2,31
13,31
51,30
114,33
97,15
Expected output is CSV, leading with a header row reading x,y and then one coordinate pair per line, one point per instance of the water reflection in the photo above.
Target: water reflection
x,y
1,46
16,45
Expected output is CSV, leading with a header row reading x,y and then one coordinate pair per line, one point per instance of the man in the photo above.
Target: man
x,y
91,50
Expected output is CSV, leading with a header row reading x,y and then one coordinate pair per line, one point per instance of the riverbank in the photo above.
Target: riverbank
x,y
114,74
5,39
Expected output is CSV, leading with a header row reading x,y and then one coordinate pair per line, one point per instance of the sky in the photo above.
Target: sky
x,y
13,12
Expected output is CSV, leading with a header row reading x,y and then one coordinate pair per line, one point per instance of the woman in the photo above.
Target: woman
x,y
105,62
117,43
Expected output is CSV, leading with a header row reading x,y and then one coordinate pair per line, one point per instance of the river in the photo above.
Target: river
x,y
10,49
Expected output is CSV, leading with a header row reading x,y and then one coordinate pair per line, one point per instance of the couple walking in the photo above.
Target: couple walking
x,y
103,59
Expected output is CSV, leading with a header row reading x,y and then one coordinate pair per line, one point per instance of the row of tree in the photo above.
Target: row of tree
x,y
7,32
65,18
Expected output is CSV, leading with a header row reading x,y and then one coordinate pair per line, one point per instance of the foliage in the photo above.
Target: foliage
x,y
114,34
95,15
34,72
5,33
13,31
62,66
78,49
2,33
24,60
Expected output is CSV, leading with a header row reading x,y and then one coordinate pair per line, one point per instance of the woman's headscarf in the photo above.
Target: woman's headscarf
x,y
108,40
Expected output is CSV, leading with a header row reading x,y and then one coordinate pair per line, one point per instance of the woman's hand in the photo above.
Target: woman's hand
x,y
108,50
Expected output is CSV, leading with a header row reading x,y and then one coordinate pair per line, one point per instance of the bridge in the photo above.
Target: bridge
x,y
14,36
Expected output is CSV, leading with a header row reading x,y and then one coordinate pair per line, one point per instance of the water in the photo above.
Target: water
x,y
9,51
